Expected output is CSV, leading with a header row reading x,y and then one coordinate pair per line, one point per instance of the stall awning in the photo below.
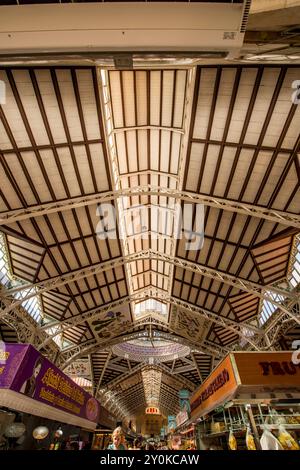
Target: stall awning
x,y
19,402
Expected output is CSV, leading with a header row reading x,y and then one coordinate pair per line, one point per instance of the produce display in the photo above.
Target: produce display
x,y
232,444
286,440
250,443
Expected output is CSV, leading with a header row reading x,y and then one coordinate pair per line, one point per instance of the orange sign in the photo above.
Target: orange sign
x,y
220,385
267,368
152,410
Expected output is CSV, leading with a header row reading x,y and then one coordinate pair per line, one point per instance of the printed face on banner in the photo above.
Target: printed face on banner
x,y
112,323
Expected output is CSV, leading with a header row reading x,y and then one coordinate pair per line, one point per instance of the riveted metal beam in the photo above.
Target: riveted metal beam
x,y
276,216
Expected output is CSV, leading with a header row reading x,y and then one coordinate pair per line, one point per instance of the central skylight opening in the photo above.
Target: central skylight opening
x,y
150,306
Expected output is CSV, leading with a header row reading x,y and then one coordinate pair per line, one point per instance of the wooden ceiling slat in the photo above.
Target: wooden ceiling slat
x,y
66,127
52,146
83,127
264,129
48,130
31,138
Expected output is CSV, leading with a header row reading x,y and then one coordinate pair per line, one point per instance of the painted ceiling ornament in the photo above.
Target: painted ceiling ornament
x,y
152,352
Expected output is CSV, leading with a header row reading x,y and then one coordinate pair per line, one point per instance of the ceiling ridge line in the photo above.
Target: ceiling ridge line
x,y
187,117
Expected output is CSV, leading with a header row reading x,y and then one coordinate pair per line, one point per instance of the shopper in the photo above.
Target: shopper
x,y
136,445
74,445
175,442
87,445
118,440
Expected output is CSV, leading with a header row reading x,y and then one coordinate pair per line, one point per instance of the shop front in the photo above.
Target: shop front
x,y
186,429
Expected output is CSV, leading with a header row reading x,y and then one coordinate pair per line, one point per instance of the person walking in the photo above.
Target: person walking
x,y
118,440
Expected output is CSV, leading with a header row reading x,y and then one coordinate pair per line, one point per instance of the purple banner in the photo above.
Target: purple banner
x,y
24,370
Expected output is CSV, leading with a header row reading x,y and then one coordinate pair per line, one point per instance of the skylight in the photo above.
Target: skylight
x,y
61,342
150,306
152,383
32,305
268,308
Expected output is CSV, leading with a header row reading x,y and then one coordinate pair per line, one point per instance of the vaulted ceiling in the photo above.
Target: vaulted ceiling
x,y
216,144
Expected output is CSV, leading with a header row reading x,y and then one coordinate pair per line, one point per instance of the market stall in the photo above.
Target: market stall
x,y
186,429
250,401
39,393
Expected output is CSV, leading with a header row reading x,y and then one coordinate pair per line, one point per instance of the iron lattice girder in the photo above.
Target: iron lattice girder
x,y
59,281
273,215
197,367
232,325
26,328
276,326
91,346
182,382
103,371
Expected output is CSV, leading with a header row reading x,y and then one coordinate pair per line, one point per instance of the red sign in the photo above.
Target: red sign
x,y
152,410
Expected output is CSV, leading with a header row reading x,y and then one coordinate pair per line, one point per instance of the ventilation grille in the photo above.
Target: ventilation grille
x,y
245,16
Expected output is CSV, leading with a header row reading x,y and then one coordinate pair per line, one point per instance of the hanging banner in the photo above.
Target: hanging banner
x,y
220,385
268,369
23,369
184,400
247,376
171,423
